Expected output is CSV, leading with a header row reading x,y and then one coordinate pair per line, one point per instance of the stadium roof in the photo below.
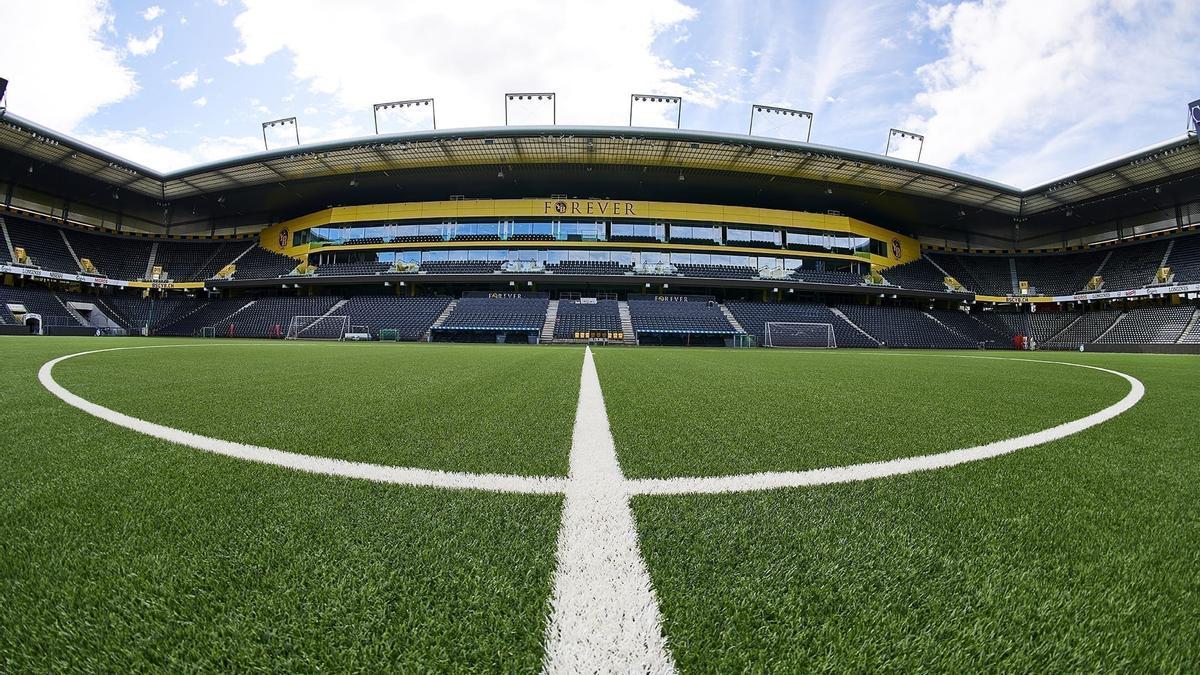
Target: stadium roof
x,y
683,150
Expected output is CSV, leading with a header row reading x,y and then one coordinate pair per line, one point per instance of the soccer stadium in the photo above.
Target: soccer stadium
x,y
581,398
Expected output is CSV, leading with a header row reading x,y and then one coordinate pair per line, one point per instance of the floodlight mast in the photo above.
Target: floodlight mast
x,y
657,98
416,102
892,133
280,122
523,95
786,112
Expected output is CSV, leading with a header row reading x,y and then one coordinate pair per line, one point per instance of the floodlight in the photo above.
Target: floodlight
x,y
658,99
785,114
282,122
893,134
545,96
413,103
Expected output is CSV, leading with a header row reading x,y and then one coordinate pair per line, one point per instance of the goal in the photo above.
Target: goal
x,y
318,327
208,331
784,334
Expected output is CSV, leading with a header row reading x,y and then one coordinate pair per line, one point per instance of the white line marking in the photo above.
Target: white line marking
x,y
307,463
895,467
605,616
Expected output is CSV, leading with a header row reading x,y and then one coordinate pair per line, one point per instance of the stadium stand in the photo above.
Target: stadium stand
x,y
187,324
988,275
753,317
1133,266
497,314
460,266
1149,325
1058,274
1085,329
827,277
1185,260
919,274
43,244
576,318
363,241
134,313
717,271
115,257
409,317
588,267
904,327
269,317
259,263
194,260
38,301
971,328
680,318
352,269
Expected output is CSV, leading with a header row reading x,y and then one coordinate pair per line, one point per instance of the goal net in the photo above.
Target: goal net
x,y
208,331
784,334
318,327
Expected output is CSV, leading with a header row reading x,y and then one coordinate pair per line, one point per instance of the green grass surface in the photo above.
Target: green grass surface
x,y
677,412
122,553
119,552
1079,555
486,408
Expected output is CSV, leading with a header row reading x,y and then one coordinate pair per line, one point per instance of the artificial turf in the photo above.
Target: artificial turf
x,y
119,552
677,412
1078,555
482,408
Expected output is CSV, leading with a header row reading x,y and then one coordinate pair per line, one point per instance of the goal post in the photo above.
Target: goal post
x,y
799,334
208,331
318,327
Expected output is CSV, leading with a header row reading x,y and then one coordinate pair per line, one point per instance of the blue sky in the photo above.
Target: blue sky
x,y
1019,91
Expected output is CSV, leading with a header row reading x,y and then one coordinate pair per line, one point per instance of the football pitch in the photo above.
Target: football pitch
x,y
346,506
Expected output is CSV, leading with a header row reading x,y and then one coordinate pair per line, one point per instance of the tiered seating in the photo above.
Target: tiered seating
x,y
352,269
114,257
577,317
263,317
1192,336
1150,325
37,301
588,267
134,312
969,327
260,263
460,266
635,238
411,317
475,237
416,238
1133,266
753,317
919,274
363,241
904,327
1089,327
531,237
824,277
717,271
679,317
981,274
43,244
1058,274
195,260
497,314
189,323
1185,260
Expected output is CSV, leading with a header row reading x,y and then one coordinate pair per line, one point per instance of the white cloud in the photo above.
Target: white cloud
x,y
153,12
1087,78
592,55
183,21
200,102
59,82
146,46
140,147
186,81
